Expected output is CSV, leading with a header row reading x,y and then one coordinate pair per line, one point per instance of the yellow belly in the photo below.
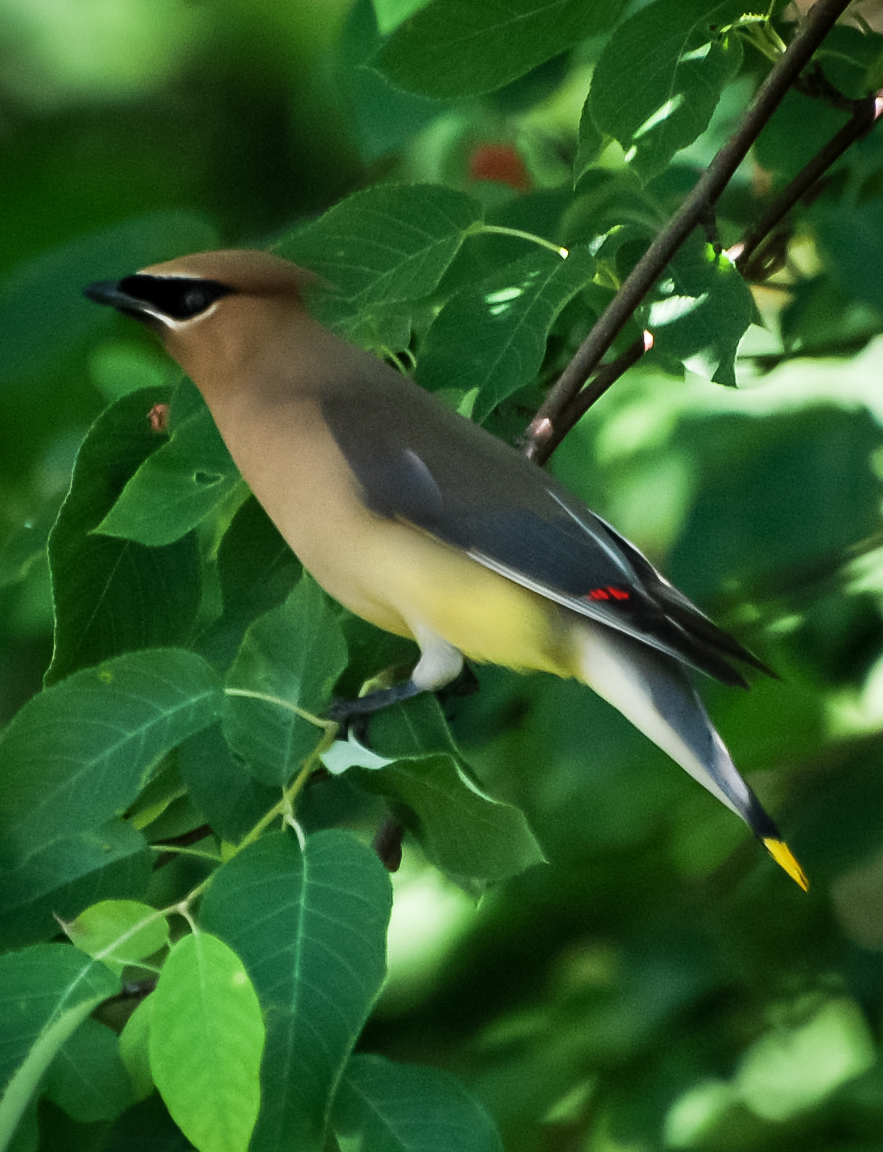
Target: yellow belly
x,y
385,571
422,581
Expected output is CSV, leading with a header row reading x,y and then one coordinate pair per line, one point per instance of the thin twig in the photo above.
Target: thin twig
x,y
816,85
174,846
606,375
705,194
862,120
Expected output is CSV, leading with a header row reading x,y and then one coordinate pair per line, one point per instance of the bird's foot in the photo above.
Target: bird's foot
x,y
354,715
343,711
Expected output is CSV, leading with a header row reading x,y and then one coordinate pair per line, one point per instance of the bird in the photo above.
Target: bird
x,y
425,524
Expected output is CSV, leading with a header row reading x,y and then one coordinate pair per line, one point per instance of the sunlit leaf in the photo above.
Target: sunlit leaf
x,y
660,77
700,313
206,1040
311,929
492,336
790,1070
119,932
387,243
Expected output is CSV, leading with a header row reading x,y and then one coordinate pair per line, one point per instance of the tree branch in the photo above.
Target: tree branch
x,y
606,375
548,426
864,115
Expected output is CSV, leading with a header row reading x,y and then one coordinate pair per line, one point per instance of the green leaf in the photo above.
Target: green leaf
x,y
311,929
46,993
176,819
79,753
822,313
381,119
493,336
119,932
387,1107
27,545
178,486
701,312
751,470
256,570
390,13
111,596
206,1040
146,1127
790,1070
292,655
461,829
256,566
850,58
120,366
460,48
466,833
43,314
220,788
799,127
162,792
850,241
60,877
26,1137
87,1078
413,728
589,145
386,244
660,77
135,1049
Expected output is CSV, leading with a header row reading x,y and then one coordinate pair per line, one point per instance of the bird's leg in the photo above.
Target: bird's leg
x,y
440,663
464,684
345,710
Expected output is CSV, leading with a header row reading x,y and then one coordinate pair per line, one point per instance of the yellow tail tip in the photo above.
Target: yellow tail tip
x,y
784,857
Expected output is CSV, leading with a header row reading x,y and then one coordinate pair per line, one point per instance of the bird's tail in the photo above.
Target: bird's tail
x,y
655,693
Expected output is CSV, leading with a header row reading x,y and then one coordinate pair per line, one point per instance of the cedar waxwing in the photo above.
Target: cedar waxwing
x,y
425,524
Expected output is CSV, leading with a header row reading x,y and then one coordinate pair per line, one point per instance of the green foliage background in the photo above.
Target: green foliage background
x,y
656,982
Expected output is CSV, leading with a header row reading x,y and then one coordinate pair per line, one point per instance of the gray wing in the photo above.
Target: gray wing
x,y
419,462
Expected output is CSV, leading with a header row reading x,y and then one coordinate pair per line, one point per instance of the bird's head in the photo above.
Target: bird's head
x,y
198,303
184,291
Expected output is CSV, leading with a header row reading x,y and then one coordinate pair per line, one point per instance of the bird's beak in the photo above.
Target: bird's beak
x,y
109,292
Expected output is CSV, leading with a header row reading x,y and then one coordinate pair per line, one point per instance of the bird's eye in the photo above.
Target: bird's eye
x,y
194,299
178,297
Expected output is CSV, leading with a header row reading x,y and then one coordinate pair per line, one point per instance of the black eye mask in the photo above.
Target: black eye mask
x,y
177,297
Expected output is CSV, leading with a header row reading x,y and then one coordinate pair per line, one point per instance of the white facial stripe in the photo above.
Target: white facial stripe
x,y
168,321
176,325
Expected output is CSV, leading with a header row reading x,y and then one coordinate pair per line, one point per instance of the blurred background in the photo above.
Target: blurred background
x,y
659,983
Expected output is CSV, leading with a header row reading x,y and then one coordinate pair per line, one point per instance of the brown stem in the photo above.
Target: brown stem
x,y
387,843
705,194
862,120
606,375
815,84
